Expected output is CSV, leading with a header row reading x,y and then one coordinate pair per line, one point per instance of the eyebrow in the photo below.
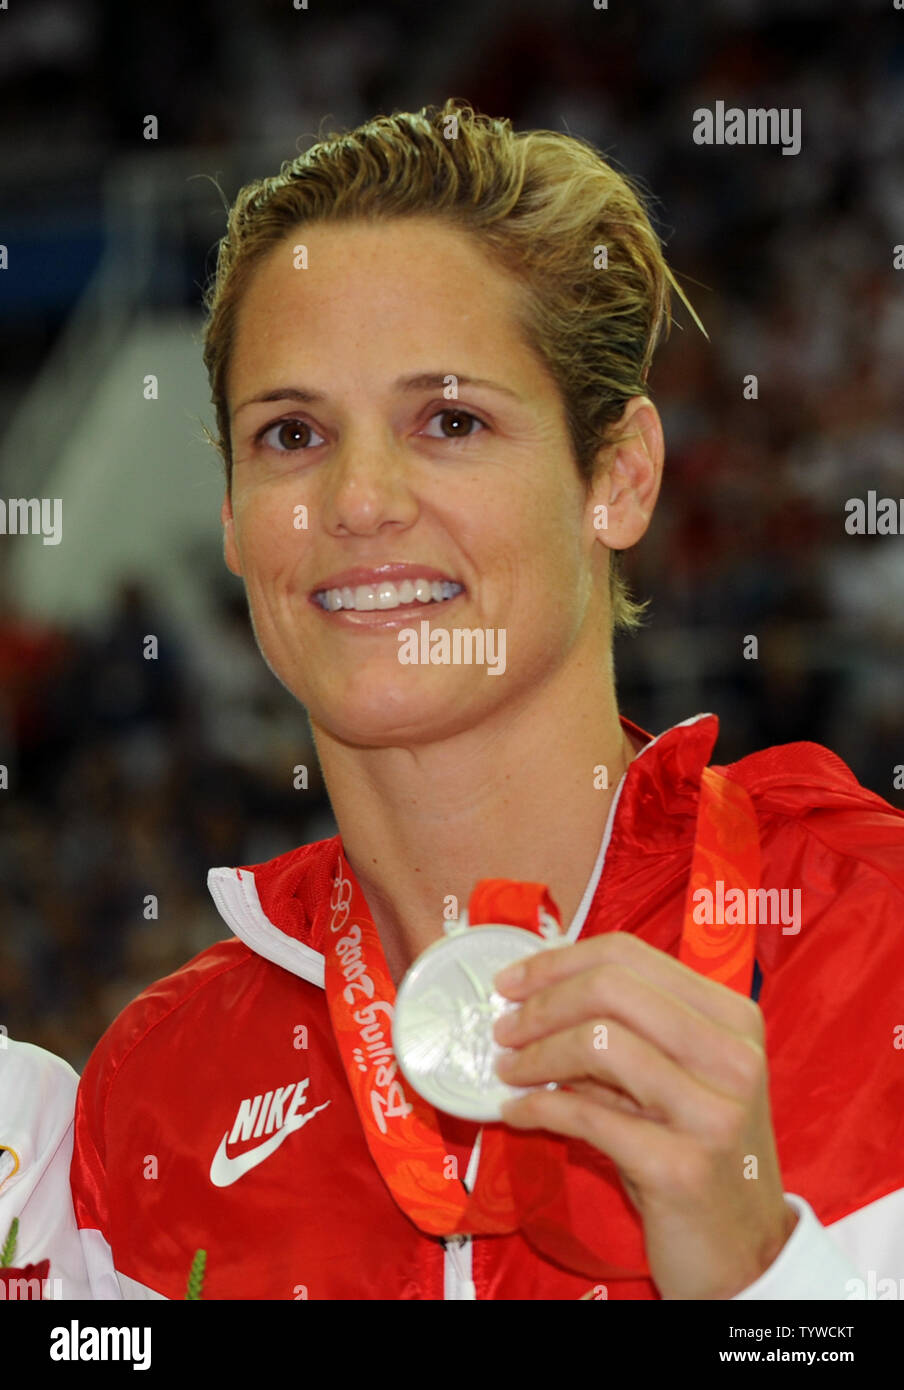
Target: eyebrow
x,y
425,381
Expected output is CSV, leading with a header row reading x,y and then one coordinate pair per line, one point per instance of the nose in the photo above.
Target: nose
x,y
368,485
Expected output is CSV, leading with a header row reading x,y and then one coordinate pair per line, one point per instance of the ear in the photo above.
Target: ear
x,y
621,500
230,549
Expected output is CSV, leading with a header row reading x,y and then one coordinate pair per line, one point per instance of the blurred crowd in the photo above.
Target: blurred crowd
x,y
129,778
126,781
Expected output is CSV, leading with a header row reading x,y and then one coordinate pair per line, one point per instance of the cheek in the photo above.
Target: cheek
x,y
562,589
550,557
271,552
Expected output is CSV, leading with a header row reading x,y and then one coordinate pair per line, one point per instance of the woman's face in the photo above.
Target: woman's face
x,y
481,488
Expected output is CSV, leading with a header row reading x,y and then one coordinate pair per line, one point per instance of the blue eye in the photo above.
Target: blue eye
x,y
296,427
458,435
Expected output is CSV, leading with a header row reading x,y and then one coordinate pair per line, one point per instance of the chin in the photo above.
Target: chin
x,y
382,719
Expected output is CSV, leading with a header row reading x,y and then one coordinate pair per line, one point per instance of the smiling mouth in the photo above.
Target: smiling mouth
x,y
386,596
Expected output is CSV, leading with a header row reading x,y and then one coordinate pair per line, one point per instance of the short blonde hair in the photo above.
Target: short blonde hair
x,y
542,205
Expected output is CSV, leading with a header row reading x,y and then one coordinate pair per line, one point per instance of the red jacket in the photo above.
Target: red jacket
x,y
173,1153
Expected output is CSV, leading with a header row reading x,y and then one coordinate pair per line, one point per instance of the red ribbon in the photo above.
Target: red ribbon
x,y
523,1177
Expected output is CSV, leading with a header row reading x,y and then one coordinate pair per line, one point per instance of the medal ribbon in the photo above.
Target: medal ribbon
x,y
522,1175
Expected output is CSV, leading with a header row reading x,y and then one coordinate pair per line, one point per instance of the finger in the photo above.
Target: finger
x,y
630,1063
613,1096
718,1002
642,1150
729,1061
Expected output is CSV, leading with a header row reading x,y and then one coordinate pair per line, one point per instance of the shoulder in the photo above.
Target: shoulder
x,y
833,853
805,796
37,1092
166,1001
37,1100
831,957
23,1062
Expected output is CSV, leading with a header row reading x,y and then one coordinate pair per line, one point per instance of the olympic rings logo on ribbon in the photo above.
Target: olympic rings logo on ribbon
x,y
340,904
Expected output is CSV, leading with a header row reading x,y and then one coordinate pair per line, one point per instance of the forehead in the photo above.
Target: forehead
x,y
416,283
426,249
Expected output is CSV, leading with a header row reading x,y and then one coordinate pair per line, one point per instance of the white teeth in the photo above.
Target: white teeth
x,y
366,597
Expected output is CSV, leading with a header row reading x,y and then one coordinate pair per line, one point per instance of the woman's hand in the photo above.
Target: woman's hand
x,y
666,1073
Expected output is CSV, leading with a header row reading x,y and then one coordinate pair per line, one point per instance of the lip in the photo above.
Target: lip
x,y
361,575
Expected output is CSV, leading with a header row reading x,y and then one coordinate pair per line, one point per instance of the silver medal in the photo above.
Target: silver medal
x,y
446,1006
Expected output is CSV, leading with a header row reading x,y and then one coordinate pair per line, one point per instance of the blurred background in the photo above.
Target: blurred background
x,y
130,777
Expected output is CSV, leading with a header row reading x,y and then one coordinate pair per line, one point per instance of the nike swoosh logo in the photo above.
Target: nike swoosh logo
x,y
224,1171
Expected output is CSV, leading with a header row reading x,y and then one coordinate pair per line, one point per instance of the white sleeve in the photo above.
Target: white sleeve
x,y
37,1103
854,1258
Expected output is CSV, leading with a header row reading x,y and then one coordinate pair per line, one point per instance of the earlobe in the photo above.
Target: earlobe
x,y
627,489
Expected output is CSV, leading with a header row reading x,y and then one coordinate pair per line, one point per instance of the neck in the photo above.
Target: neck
x,y
520,799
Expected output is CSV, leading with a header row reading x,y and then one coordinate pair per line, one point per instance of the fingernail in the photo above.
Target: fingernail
x,y
504,1027
510,978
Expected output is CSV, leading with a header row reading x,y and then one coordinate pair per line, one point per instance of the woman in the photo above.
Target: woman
x,y
428,343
